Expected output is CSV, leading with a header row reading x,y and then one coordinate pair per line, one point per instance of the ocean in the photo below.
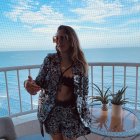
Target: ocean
x,y
20,58
23,58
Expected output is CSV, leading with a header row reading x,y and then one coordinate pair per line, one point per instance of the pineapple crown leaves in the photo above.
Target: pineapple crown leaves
x,y
103,95
117,98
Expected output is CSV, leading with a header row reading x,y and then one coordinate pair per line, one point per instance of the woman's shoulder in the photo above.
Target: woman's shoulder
x,y
50,56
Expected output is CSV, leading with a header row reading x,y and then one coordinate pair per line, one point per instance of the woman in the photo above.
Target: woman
x,y
63,79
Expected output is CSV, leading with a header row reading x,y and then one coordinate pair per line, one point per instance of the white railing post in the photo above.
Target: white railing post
x,y
7,93
102,78
92,81
31,95
124,78
136,98
113,79
19,90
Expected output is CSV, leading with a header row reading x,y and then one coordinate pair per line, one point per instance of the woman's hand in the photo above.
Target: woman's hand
x,y
31,86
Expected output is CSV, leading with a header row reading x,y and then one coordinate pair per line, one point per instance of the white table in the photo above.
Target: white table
x,y
104,124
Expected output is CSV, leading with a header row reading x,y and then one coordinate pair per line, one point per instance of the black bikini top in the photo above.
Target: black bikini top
x,y
67,81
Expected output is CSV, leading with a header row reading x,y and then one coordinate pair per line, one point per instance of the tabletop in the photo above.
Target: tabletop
x,y
103,123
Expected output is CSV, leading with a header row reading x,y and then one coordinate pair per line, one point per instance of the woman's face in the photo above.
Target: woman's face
x,y
62,41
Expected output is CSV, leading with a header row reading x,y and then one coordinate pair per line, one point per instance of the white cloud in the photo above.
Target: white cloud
x,y
15,13
44,20
130,22
37,18
93,11
133,1
50,30
98,10
133,21
45,15
108,40
28,42
136,8
131,7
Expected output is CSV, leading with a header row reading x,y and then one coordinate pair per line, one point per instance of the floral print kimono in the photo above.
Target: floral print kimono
x,y
48,80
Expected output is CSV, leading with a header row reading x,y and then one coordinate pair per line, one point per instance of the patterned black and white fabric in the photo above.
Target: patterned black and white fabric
x,y
67,122
48,80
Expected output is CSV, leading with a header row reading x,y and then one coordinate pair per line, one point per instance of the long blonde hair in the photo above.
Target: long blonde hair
x,y
75,49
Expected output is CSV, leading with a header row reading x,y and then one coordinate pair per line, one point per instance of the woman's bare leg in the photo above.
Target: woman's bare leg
x,y
57,136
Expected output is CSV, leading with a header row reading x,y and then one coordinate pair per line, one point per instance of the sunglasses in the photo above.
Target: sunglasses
x,y
60,38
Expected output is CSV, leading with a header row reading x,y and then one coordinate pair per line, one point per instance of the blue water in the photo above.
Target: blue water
x,y
21,58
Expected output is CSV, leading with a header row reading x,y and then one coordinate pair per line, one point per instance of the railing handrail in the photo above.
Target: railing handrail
x,y
114,64
90,64
19,68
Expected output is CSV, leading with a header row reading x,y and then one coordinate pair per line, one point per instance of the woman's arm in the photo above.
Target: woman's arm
x,y
40,79
33,86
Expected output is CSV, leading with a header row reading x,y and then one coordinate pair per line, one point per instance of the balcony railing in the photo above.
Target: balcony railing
x,y
15,101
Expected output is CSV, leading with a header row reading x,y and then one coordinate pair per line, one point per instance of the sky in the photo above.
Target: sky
x,y
31,24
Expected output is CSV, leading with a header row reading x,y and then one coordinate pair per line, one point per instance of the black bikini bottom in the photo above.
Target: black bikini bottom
x,y
67,103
